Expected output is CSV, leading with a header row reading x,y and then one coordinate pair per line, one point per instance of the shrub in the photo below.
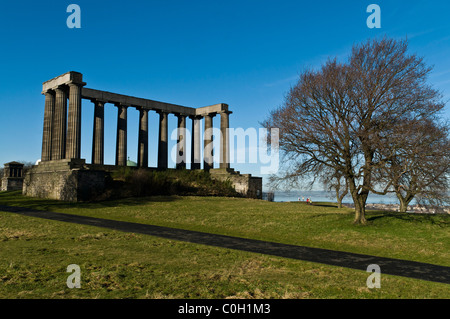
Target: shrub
x,y
130,182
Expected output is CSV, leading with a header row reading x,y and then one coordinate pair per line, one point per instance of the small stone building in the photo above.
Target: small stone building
x,y
12,177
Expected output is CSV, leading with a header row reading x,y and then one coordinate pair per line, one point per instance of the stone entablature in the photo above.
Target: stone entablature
x,y
63,79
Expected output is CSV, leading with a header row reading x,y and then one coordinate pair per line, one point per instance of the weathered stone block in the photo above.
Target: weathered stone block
x,y
11,184
245,184
67,180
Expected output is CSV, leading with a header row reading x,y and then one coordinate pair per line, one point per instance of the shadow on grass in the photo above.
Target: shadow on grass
x,y
441,220
325,204
318,204
15,198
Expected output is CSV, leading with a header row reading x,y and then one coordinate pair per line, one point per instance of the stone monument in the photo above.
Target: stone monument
x,y
62,173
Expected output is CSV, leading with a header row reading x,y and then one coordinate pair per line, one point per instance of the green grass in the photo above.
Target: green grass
x,y
34,253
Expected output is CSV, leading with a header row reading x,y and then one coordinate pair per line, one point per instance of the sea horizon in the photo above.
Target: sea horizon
x,y
330,196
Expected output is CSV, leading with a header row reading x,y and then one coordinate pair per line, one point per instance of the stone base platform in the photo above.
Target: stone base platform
x,y
74,180
245,184
67,180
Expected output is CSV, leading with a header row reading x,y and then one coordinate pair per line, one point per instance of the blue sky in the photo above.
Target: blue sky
x,y
194,53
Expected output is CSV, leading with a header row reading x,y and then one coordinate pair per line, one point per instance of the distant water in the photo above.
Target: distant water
x,y
323,196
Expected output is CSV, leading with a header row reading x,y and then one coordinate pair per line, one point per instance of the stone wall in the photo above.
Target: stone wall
x,y
11,183
245,184
74,180
66,180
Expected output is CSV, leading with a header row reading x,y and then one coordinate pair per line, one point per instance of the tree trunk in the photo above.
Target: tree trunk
x,y
342,197
360,208
404,202
339,199
360,212
403,207
360,203
337,188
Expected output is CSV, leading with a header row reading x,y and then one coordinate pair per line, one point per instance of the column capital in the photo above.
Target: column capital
x,y
73,83
49,91
209,114
62,87
141,108
95,101
121,105
195,117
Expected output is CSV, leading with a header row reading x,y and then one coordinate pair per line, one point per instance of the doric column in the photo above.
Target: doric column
x,y
98,136
195,153
181,141
143,138
48,126
121,141
208,158
73,146
59,124
163,141
224,139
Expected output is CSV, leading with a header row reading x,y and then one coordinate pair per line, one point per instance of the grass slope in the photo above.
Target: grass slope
x,y
34,253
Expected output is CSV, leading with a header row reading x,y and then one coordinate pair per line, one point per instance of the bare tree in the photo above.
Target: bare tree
x,y
418,162
338,184
338,118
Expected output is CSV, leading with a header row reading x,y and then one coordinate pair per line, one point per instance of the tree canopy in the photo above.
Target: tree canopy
x,y
351,119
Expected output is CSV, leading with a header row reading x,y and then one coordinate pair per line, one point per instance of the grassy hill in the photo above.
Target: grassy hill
x,y
35,253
